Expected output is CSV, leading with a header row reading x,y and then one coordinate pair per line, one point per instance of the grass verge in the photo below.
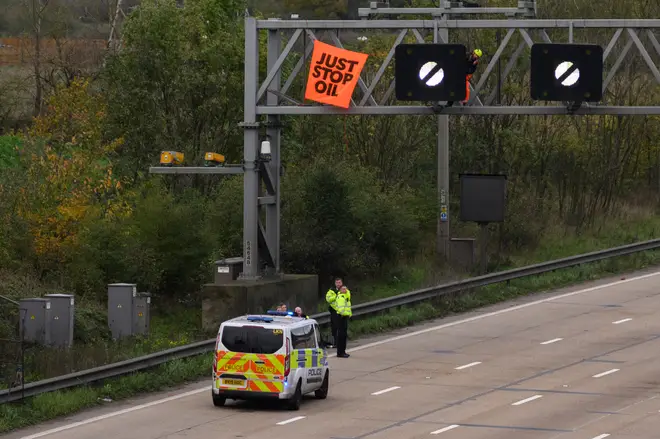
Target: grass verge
x,y
55,404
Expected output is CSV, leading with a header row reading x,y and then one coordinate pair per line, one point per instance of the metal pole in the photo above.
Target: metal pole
x,y
274,133
250,151
483,253
443,169
499,73
22,330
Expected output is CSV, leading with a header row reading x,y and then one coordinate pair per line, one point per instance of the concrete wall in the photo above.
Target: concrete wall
x,y
224,301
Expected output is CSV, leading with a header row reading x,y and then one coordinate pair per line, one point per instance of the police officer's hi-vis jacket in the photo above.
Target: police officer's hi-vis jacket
x,y
340,302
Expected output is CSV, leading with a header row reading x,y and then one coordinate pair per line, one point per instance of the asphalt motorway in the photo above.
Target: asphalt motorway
x,y
582,363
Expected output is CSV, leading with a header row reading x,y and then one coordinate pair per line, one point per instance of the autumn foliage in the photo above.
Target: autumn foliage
x,y
69,178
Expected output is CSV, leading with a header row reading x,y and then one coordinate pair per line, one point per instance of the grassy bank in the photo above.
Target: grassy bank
x,y
61,403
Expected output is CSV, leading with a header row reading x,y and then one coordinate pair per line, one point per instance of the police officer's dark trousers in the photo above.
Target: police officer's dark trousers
x,y
342,334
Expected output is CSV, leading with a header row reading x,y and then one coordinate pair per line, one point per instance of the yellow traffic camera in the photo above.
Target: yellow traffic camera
x,y
214,159
171,158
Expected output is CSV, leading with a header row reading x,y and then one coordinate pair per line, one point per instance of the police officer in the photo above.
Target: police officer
x,y
344,312
330,298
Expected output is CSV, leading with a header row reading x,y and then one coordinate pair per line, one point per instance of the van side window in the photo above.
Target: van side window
x,y
303,337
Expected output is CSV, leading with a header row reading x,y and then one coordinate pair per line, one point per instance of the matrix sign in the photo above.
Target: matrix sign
x,y
567,72
430,72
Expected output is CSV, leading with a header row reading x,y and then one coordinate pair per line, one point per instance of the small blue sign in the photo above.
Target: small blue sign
x,y
443,216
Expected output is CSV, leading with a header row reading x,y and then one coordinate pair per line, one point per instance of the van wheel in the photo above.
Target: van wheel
x,y
322,392
218,401
294,402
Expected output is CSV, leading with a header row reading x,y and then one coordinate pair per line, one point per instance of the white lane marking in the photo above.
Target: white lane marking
x,y
605,373
117,413
288,421
365,346
526,400
602,436
554,340
465,366
621,321
442,430
389,389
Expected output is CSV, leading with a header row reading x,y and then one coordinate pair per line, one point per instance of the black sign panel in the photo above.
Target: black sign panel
x,y
430,72
567,72
483,198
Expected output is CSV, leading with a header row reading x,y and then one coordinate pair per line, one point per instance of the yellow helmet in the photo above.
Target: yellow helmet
x,y
478,52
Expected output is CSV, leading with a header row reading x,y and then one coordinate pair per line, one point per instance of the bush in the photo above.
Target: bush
x,y
340,220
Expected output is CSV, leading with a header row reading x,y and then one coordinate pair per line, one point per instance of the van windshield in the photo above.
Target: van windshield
x,y
252,339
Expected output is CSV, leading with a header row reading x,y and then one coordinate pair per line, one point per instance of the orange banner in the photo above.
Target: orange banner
x,y
333,74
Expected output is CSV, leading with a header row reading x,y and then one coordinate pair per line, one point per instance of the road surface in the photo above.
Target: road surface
x,y
576,364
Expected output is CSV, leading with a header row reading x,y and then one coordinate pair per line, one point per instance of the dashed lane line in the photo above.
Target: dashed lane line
x,y
526,400
465,366
288,421
442,430
389,389
602,374
554,340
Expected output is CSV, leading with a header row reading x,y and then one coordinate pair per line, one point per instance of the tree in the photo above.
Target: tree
x,y
177,84
69,173
37,9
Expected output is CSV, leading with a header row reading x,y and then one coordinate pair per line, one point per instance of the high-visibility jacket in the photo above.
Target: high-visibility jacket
x,y
331,297
343,304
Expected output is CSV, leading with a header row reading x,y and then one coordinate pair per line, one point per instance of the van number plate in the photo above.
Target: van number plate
x,y
233,382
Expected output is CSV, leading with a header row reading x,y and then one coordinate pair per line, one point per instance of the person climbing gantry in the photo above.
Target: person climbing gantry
x,y
472,62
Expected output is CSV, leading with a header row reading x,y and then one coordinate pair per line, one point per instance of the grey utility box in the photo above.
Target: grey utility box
x,y
227,270
141,313
128,312
61,319
35,320
120,309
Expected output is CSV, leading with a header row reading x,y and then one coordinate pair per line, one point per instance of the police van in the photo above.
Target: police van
x,y
273,356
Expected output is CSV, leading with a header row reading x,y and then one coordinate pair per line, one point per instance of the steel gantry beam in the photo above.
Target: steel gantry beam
x,y
635,37
289,46
627,41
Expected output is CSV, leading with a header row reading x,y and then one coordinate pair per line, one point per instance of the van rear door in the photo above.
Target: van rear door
x,y
251,358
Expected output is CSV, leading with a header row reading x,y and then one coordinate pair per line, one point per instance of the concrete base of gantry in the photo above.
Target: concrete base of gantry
x,y
224,301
